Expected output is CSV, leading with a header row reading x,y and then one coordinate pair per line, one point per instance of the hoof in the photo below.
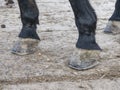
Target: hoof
x,y
84,60
108,28
112,27
83,65
25,46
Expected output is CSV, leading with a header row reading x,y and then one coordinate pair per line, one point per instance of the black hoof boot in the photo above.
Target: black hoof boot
x,y
25,46
113,27
84,59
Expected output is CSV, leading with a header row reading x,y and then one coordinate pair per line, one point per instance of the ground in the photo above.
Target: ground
x,y
47,68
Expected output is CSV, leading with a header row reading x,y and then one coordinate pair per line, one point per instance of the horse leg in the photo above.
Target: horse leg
x,y
87,52
113,25
28,37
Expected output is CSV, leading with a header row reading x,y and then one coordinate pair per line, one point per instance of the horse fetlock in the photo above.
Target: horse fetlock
x,y
25,46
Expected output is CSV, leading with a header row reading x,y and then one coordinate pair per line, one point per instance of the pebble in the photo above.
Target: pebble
x,y
3,26
39,54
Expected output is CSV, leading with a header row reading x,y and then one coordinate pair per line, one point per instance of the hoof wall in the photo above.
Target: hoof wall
x,y
25,47
82,59
108,28
112,27
83,65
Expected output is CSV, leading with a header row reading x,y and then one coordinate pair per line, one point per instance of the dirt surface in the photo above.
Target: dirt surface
x,y
47,68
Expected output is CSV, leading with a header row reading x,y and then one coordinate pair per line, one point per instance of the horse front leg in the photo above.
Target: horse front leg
x,y
113,25
28,37
87,52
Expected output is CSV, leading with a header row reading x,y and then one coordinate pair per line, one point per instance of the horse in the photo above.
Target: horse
x,y
85,20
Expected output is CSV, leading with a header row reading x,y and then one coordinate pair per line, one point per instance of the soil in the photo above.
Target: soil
x,y
47,69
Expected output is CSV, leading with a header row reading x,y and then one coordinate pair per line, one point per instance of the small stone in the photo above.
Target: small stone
x,y
48,59
39,54
3,26
75,73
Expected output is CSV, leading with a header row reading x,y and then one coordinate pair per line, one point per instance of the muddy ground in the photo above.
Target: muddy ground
x,y
47,68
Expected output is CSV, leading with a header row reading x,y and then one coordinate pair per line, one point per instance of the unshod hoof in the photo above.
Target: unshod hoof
x,y
25,46
113,27
84,59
